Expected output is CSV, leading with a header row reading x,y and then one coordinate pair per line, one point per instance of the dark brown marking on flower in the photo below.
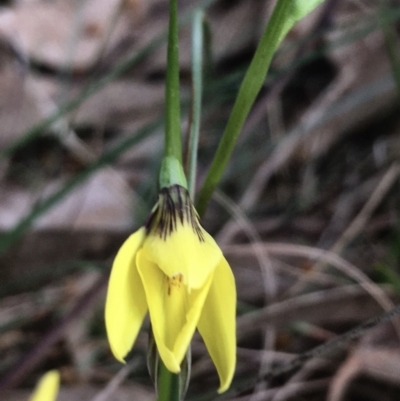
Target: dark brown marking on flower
x,y
174,282
174,206
181,206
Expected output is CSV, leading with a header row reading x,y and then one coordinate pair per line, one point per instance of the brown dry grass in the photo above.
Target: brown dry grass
x,y
307,213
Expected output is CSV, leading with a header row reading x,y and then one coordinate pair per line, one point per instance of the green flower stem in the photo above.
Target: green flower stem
x,y
173,146
171,168
286,13
168,384
171,172
197,88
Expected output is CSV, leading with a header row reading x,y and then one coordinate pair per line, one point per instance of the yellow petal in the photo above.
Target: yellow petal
x,y
217,324
182,252
174,312
47,388
126,301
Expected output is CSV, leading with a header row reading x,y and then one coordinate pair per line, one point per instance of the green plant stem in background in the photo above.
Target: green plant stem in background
x,y
197,89
286,13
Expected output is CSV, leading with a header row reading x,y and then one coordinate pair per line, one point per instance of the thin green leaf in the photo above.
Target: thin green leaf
x,y
286,13
197,89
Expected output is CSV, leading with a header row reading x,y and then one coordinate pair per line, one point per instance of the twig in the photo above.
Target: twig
x,y
359,222
322,350
116,381
264,261
327,257
354,229
334,344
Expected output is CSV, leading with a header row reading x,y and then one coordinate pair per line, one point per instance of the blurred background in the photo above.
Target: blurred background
x,y
307,213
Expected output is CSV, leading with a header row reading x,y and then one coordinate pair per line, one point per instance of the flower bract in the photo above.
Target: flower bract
x,y
173,269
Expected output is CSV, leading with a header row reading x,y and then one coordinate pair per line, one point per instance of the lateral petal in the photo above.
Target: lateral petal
x,y
194,307
126,303
217,324
183,252
174,312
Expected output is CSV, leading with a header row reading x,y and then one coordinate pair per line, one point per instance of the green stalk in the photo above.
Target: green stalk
x,y
171,172
286,13
168,384
197,88
173,146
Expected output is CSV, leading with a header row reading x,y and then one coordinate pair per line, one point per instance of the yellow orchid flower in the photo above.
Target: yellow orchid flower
x,y
47,388
174,269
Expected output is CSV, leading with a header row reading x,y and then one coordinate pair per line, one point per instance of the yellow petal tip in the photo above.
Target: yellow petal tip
x,y
223,387
47,388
